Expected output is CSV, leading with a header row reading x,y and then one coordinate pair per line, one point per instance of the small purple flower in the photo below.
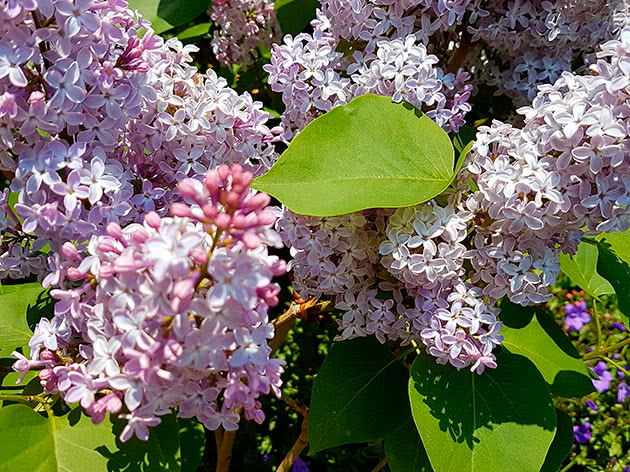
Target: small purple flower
x,y
622,392
592,405
619,326
582,433
605,377
300,466
576,316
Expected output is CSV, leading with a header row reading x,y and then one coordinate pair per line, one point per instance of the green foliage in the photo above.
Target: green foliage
x,y
501,420
561,446
194,32
617,272
358,395
295,15
192,438
18,303
167,14
371,153
404,450
72,443
581,269
532,333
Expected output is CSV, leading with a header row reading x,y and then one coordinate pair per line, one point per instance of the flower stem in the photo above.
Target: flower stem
x,y
605,350
599,327
609,360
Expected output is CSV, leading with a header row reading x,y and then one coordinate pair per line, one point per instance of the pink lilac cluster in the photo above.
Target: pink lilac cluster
x,y
444,264
97,125
171,312
243,26
317,72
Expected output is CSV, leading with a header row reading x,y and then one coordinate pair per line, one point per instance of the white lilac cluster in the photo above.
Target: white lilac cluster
x,y
242,26
444,264
97,124
169,313
314,76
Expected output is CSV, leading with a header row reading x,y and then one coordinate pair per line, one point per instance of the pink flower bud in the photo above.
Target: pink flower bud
x,y
258,201
140,235
187,189
180,209
69,251
152,219
47,355
74,274
251,240
222,221
199,256
115,231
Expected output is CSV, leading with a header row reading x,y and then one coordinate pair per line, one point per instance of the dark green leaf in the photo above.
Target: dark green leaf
x,y
404,450
581,269
543,342
166,14
192,437
16,306
194,31
464,137
502,420
358,395
561,446
295,15
31,442
617,272
371,153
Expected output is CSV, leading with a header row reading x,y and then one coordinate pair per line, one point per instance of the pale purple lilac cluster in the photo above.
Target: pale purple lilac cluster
x,y
513,45
317,72
97,125
170,312
441,266
242,27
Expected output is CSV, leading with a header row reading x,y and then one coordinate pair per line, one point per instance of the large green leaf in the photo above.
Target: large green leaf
x,y
619,242
498,421
371,153
543,342
358,395
295,15
561,446
404,450
18,305
581,269
192,436
30,442
617,272
166,14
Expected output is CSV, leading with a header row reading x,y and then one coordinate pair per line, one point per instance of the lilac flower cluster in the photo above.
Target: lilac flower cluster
x,y
443,264
514,45
314,76
98,124
169,313
243,26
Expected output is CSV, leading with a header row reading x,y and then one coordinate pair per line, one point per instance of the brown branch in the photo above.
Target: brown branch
x,y
283,323
301,408
224,452
461,53
380,465
296,449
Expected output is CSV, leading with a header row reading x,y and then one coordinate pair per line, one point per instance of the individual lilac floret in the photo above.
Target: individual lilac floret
x,y
582,433
169,313
605,377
